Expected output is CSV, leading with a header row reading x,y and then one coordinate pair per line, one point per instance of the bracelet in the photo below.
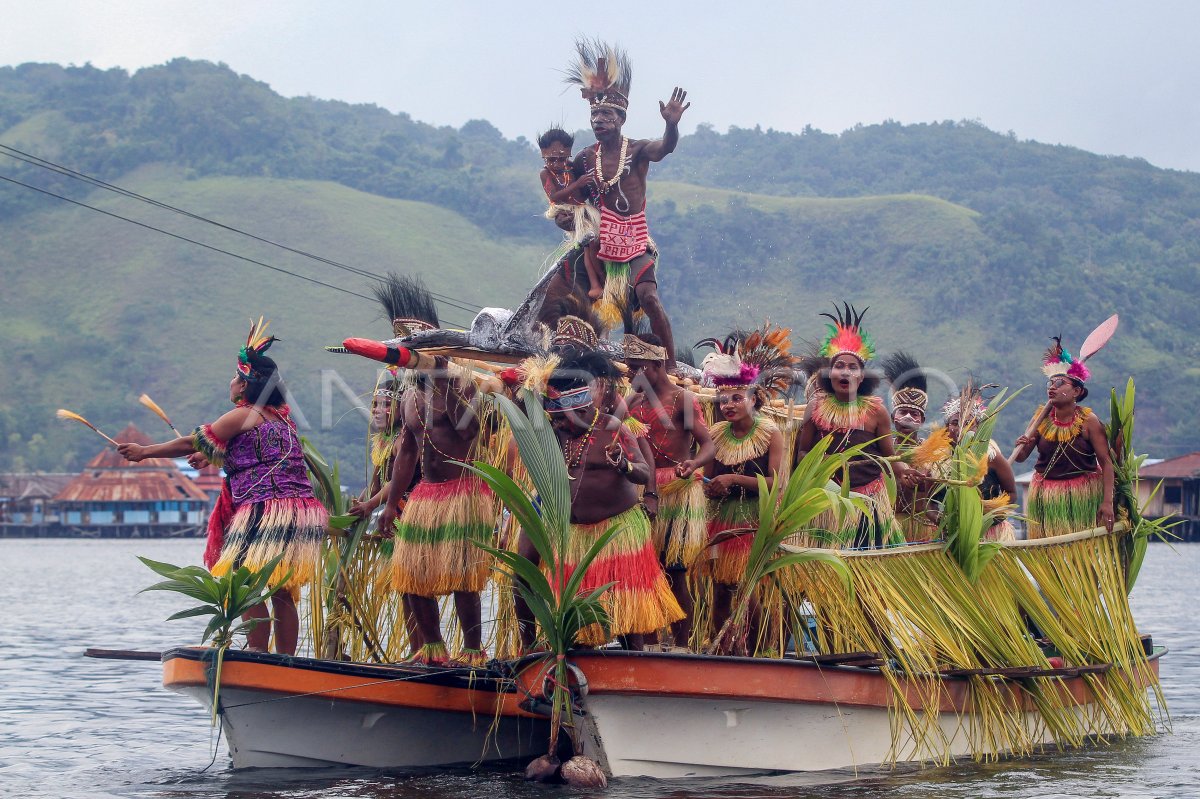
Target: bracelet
x,y
627,466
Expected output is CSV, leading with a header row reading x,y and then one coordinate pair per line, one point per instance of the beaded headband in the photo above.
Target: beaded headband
x,y
563,401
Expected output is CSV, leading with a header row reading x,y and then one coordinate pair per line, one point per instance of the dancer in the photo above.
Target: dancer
x,y
746,370
681,447
449,511
565,193
605,466
914,513
1072,486
998,486
618,166
270,508
843,408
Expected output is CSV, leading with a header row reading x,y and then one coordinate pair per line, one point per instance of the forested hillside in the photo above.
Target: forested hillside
x,y
971,247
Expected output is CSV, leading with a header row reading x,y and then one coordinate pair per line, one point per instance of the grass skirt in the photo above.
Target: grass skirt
x,y
726,562
435,550
641,600
875,528
680,529
260,531
1001,531
1058,507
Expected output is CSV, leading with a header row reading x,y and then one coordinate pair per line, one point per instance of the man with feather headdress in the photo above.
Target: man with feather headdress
x,y
618,167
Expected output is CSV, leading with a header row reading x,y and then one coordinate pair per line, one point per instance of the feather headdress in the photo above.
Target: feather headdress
x,y
760,358
252,362
407,303
602,73
844,335
969,406
1058,361
910,389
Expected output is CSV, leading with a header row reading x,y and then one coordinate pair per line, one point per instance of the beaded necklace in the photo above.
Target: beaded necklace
x,y
606,185
573,460
1053,430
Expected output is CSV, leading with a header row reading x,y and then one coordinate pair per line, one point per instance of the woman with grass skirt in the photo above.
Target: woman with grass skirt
x,y
1072,486
267,507
745,369
844,409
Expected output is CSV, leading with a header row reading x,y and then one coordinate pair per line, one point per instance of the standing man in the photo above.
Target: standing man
x,y
448,512
618,167
681,446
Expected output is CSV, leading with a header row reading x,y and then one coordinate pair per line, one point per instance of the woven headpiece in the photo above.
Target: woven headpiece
x,y
636,349
602,74
252,364
760,358
907,378
574,332
845,334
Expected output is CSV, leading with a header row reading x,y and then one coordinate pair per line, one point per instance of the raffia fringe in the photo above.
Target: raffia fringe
x,y
294,528
641,600
611,307
726,561
435,549
1058,507
731,450
884,513
681,527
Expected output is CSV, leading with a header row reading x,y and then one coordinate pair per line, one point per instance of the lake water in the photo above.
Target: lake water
x,y
75,727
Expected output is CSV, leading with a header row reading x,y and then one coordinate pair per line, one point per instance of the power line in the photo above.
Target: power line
x,y
43,163
185,238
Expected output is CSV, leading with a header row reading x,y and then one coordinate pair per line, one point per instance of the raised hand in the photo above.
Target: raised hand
x,y
672,111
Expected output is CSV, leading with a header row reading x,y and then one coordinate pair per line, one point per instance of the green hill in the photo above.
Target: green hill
x,y
970,247
96,311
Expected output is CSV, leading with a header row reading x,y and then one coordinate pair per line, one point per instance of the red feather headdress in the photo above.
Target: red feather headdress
x,y
845,334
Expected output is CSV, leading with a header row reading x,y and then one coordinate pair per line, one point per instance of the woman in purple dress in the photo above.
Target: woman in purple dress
x,y
267,507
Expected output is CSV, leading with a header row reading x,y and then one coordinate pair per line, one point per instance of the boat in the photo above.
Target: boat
x,y
651,714
278,711
643,714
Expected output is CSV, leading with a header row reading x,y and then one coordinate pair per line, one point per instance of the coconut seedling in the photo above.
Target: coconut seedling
x,y
553,595
225,600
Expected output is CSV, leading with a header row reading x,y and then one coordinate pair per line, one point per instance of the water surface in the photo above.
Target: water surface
x,y
76,727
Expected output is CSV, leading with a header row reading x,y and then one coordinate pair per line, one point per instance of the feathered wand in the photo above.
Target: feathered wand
x,y
65,414
159,412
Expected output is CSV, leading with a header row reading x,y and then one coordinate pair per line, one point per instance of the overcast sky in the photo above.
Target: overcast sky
x,y
1110,77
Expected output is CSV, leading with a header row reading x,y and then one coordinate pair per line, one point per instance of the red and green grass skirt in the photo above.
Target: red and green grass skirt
x,y
640,601
1058,507
260,531
727,559
681,526
435,551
